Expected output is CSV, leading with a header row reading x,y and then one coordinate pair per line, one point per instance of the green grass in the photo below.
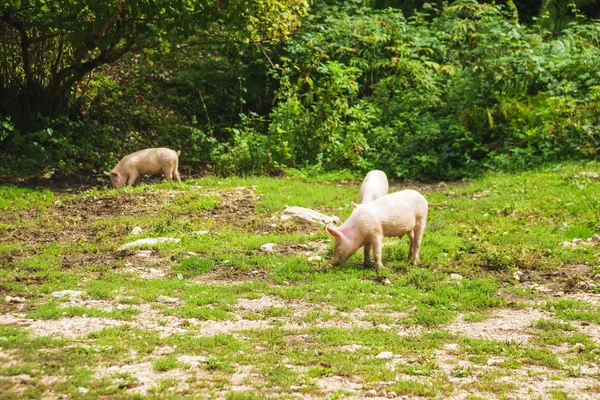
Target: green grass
x,y
312,322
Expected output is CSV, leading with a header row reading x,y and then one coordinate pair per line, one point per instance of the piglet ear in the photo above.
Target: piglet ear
x,y
106,173
353,204
333,231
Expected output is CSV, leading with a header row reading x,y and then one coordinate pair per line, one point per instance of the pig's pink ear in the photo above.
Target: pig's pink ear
x,y
106,173
353,204
334,232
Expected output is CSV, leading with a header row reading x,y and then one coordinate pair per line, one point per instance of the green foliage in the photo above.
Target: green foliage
x,y
441,92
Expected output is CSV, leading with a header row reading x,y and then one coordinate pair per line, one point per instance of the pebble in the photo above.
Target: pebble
x,y
456,276
268,247
15,299
72,294
82,390
199,233
392,395
387,281
136,230
595,238
494,361
451,347
385,355
192,360
148,242
167,299
371,393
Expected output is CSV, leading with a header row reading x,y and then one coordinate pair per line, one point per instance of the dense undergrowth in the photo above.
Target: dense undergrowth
x,y
443,94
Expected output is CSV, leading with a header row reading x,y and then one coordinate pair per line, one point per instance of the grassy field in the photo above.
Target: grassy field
x,y
497,308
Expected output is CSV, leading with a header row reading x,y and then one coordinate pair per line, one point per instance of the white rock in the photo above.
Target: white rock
x,y
148,242
15,299
385,355
72,294
315,258
591,369
192,360
167,299
387,281
268,247
494,361
136,230
589,174
82,390
579,347
24,378
58,203
371,393
197,233
308,215
558,294
456,276
451,346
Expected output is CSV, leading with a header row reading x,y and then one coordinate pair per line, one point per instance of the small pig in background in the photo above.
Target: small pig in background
x,y
374,186
130,169
397,214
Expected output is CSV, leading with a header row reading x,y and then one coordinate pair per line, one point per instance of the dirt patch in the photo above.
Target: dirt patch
x,y
74,327
237,207
143,377
505,324
567,278
73,221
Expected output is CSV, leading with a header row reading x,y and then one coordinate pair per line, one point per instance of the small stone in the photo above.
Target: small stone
x,y
558,294
458,277
579,347
192,360
136,230
72,294
167,299
325,364
294,388
308,215
387,281
595,238
197,233
384,355
23,378
517,275
58,203
451,346
371,393
494,361
514,213
268,247
15,299
82,390
148,242
392,395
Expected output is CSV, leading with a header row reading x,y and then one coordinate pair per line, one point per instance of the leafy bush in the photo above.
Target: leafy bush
x,y
442,94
